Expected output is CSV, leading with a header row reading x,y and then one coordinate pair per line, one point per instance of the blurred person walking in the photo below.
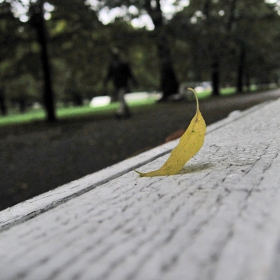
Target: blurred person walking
x,y
120,73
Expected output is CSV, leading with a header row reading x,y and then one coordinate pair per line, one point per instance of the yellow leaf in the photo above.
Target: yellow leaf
x,y
189,144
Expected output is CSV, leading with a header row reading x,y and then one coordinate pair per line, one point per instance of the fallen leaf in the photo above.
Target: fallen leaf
x,y
189,144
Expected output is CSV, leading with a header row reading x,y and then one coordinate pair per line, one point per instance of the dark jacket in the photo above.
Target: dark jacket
x,y
120,73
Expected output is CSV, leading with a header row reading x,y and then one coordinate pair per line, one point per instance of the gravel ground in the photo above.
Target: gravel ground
x,y
38,157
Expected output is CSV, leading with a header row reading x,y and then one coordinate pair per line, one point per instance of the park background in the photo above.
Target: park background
x,y
54,57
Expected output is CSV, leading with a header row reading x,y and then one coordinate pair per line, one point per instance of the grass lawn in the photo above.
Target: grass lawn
x,y
85,111
224,92
66,112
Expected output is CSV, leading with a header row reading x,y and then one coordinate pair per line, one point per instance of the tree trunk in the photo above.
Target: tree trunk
x,y
3,105
248,83
22,105
215,65
168,81
38,22
240,70
231,18
215,68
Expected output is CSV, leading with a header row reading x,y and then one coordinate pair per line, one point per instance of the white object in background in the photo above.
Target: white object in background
x,y
100,101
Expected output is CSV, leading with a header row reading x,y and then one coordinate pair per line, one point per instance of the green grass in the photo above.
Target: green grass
x,y
34,115
66,112
86,110
29,116
224,92
228,91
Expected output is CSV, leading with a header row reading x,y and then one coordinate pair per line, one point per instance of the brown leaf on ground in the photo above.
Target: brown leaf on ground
x,y
175,135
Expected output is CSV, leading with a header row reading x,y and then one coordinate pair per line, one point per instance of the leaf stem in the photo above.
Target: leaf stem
x,y
196,98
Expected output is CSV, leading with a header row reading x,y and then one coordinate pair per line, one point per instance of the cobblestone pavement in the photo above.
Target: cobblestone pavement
x,y
39,157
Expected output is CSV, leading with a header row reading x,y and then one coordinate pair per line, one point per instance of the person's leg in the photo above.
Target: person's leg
x,y
123,109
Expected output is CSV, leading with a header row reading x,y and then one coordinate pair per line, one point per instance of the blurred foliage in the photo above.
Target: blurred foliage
x,y
242,38
238,40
